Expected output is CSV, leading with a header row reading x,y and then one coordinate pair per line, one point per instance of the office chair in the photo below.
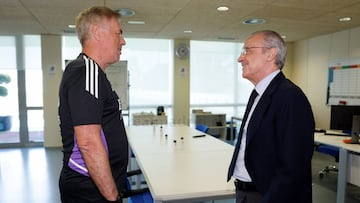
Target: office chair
x,y
329,150
202,128
205,128
141,195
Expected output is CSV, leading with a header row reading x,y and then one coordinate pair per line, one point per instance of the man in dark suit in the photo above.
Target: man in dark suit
x,y
272,157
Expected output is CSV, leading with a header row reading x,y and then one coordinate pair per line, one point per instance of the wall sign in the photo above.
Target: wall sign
x,y
117,74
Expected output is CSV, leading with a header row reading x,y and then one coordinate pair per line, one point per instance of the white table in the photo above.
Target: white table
x,y
345,149
190,169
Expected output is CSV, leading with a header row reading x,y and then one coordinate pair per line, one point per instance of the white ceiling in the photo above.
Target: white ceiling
x,y
298,19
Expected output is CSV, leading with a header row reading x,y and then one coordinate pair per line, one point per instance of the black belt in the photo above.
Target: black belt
x,y
245,186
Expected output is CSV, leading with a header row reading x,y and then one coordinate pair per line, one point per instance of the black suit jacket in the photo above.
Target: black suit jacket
x,y
280,142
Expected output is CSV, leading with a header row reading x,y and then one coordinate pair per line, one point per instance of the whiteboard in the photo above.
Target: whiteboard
x,y
117,74
344,82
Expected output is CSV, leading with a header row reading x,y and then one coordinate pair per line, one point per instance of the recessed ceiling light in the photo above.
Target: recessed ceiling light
x,y
253,21
136,22
125,12
283,36
345,19
72,26
222,8
187,31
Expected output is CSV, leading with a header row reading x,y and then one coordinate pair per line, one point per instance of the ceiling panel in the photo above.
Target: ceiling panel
x,y
298,19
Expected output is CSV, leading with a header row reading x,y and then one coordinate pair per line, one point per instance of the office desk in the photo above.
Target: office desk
x,y
345,149
190,169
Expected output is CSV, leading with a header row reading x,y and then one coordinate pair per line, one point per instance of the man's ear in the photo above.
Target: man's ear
x,y
95,32
271,54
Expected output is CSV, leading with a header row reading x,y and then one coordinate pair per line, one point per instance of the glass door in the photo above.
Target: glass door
x,y
21,111
9,124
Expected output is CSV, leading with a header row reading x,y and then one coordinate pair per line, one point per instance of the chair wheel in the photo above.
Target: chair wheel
x,y
321,175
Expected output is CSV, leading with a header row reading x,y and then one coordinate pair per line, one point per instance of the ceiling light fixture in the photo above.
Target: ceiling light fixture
x,y
125,12
222,8
188,31
136,22
254,21
72,26
345,19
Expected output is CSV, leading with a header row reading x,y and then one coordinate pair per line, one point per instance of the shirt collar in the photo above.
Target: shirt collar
x,y
264,83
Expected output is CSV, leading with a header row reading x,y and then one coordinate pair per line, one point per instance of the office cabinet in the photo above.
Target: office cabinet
x,y
215,122
149,119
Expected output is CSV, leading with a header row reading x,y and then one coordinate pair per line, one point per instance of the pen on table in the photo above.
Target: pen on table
x,y
196,136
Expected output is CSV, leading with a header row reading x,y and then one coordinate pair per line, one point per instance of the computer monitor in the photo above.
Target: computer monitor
x,y
342,117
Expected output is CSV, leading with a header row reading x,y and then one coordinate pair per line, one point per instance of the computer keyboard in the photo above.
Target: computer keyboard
x,y
331,132
336,133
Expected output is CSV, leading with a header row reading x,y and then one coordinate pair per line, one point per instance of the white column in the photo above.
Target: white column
x,y
52,72
181,86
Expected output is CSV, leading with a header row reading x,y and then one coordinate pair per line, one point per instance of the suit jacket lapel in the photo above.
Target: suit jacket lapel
x,y
262,107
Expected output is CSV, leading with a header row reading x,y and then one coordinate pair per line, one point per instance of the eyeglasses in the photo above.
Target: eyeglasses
x,y
245,50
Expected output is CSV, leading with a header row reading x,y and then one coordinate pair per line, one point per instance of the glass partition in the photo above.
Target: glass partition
x,y
9,114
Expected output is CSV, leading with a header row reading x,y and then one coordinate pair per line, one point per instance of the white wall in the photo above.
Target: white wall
x,y
310,66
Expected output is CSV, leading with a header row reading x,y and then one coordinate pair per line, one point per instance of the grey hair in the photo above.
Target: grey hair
x,y
92,16
273,39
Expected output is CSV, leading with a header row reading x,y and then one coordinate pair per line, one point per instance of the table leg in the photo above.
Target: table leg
x,y
341,186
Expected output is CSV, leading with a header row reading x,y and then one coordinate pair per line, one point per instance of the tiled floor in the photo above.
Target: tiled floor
x,y
30,175
14,136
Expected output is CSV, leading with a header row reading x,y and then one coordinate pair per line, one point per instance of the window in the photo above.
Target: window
x,y
148,65
216,84
71,48
149,74
149,68
34,87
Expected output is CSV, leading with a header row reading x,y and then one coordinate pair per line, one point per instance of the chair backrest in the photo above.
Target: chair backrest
x,y
330,150
140,195
202,127
141,198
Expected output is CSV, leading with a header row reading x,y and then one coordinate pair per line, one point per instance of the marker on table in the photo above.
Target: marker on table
x,y
196,136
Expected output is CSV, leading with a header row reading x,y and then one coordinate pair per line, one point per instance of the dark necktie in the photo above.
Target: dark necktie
x,y
253,95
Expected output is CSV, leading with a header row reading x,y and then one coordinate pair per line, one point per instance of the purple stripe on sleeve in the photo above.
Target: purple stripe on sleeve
x,y
76,161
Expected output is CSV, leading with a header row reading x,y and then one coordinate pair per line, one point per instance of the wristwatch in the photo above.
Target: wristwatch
x,y
118,200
